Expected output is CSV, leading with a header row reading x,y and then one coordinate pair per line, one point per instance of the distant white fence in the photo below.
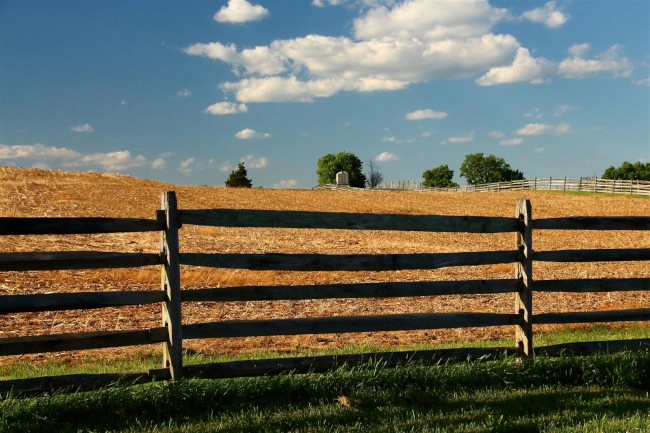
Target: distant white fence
x,y
639,187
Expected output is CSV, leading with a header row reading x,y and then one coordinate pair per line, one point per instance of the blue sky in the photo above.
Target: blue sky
x,y
182,91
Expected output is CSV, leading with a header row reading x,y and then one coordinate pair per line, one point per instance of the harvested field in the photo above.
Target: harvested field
x,y
34,192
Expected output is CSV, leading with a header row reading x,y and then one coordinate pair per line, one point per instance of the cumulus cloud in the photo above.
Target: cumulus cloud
x,y
643,82
251,161
110,161
561,110
535,113
240,11
223,108
497,134
544,129
250,134
37,152
286,184
185,166
184,93
611,61
549,15
462,139
512,142
386,156
425,114
86,127
158,163
523,68
395,45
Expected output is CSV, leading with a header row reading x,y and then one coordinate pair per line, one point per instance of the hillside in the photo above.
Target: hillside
x,y
35,192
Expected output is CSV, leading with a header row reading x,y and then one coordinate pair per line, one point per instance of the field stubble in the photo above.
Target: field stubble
x,y
33,192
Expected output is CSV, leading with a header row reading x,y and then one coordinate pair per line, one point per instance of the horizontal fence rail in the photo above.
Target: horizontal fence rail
x,y
638,187
169,220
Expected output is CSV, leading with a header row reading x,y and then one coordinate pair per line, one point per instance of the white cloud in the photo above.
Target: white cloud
x,y
286,184
549,15
250,134
433,20
425,114
110,161
252,162
397,140
321,3
497,134
511,142
184,93
240,11
611,61
535,113
158,163
41,165
523,68
579,50
544,129
86,127
225,167
462,139
644,82
223,108
37,152
561,110
539,150
386,156
185,166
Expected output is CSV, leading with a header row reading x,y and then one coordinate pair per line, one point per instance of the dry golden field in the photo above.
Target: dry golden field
x,y
34,192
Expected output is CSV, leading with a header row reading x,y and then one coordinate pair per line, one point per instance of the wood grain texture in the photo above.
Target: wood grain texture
x,y
348,221
75,301
347,262
49,261
336,325
359,290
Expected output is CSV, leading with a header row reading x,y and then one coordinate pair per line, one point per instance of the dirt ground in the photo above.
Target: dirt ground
x,y
34,192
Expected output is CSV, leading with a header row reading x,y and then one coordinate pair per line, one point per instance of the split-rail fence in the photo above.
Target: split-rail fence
x,y
582,184
173,331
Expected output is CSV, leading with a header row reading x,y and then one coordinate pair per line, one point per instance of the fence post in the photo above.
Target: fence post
x,y
171,285
524,273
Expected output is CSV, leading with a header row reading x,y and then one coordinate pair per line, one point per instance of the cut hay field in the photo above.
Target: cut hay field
x,y
34,192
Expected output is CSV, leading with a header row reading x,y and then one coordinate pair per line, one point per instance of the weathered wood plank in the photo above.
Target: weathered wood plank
x,y
592,285
347,262
80,341
71,383
594,223
337,325
524,273
633,315
321,364
601,255
48,261
171,287
76,301
360,290
591,347
360,221
74,225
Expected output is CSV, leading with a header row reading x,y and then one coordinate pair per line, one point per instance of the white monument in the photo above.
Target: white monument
x,y
342,179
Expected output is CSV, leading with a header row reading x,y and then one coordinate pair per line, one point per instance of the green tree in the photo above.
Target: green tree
x,y
238,179
478,169
374,177
629,171
439,177
330,164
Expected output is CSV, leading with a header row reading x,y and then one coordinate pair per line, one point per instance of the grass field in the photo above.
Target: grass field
x,y
33,192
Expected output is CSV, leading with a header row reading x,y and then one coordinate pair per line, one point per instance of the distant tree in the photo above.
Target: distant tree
x,y
478,169
439,177
330,164
373,177
629,171
238,179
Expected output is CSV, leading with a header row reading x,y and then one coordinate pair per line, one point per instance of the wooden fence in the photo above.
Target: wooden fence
x,y
638,187
173,331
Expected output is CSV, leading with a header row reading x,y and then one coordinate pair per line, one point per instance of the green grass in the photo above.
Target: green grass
x,y
604,393
146,360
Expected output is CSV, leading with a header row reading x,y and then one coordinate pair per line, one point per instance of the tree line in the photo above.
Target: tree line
x,y
476,169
